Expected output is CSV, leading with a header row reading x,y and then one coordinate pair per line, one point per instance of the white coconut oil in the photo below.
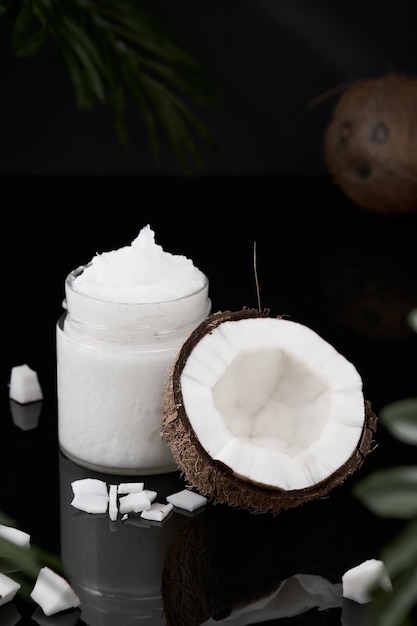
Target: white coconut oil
x,y
127,314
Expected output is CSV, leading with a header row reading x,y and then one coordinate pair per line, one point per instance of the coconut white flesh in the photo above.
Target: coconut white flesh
x,y
113,504
24,385
53,593
134,502
15,535
8,589
187,500
89,485
158,511
90,502
359,582
124,488
274,401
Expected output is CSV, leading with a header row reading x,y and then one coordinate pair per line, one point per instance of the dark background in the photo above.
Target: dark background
x,y
270,59
69,191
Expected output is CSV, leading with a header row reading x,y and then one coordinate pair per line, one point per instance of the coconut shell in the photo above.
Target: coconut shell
x,y
370,144
216,480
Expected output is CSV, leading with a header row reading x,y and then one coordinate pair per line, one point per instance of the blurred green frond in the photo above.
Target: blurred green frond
x,y
392,493
400,418
118,54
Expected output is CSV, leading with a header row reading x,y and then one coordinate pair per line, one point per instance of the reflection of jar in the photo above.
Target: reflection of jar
x,y
112,362
115,567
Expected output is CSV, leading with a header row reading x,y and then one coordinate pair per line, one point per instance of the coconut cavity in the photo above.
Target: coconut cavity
x,y
262,413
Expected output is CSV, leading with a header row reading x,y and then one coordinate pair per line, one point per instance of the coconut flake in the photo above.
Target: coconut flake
x,y
24,385
134,502
186,499
14,535
90,502
113,506
8,589
90,485
124,488
359,582
158,511
53,593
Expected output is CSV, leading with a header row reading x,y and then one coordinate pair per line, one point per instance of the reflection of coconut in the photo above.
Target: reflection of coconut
x,y
261,413
370,285
370,144
226,563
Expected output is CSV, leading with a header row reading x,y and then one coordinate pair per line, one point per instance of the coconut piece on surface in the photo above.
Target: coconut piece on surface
x,y
359,582
157,512
53,593
24,385
186,499
263,413
113,506
8,588
15,535
151,494
124,488
90,502
135,502
90,485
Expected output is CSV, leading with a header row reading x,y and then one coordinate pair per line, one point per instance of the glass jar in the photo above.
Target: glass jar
x,y
113,360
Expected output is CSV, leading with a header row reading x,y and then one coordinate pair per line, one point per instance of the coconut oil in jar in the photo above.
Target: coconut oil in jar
x,y
127,314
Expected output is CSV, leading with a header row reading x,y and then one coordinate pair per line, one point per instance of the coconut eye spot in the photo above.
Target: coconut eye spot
x,y
345,133
379,133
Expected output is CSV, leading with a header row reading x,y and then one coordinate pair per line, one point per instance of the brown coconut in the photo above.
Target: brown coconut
x,y
370,144
185,415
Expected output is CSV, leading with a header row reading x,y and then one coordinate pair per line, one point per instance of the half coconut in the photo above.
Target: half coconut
x,y
262,413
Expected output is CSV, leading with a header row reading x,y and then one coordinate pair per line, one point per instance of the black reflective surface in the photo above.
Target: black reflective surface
x,y
346,273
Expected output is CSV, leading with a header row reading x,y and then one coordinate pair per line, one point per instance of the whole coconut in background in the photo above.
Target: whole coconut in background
x,y
370,144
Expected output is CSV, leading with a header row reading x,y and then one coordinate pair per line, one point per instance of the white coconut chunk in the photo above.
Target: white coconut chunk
x,y
8,589
134,502
359,582
90,502
187,500
152,495
113,506
124,488
90,485
15,535
158,511
285,405
53,593
24,385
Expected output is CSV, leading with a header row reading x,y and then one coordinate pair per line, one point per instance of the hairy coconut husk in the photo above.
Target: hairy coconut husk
x,y
370,144
216,480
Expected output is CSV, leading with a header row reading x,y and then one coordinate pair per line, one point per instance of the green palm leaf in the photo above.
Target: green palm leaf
x,y
116,53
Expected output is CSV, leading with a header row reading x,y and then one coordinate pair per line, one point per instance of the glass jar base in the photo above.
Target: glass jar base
x,y
122,471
